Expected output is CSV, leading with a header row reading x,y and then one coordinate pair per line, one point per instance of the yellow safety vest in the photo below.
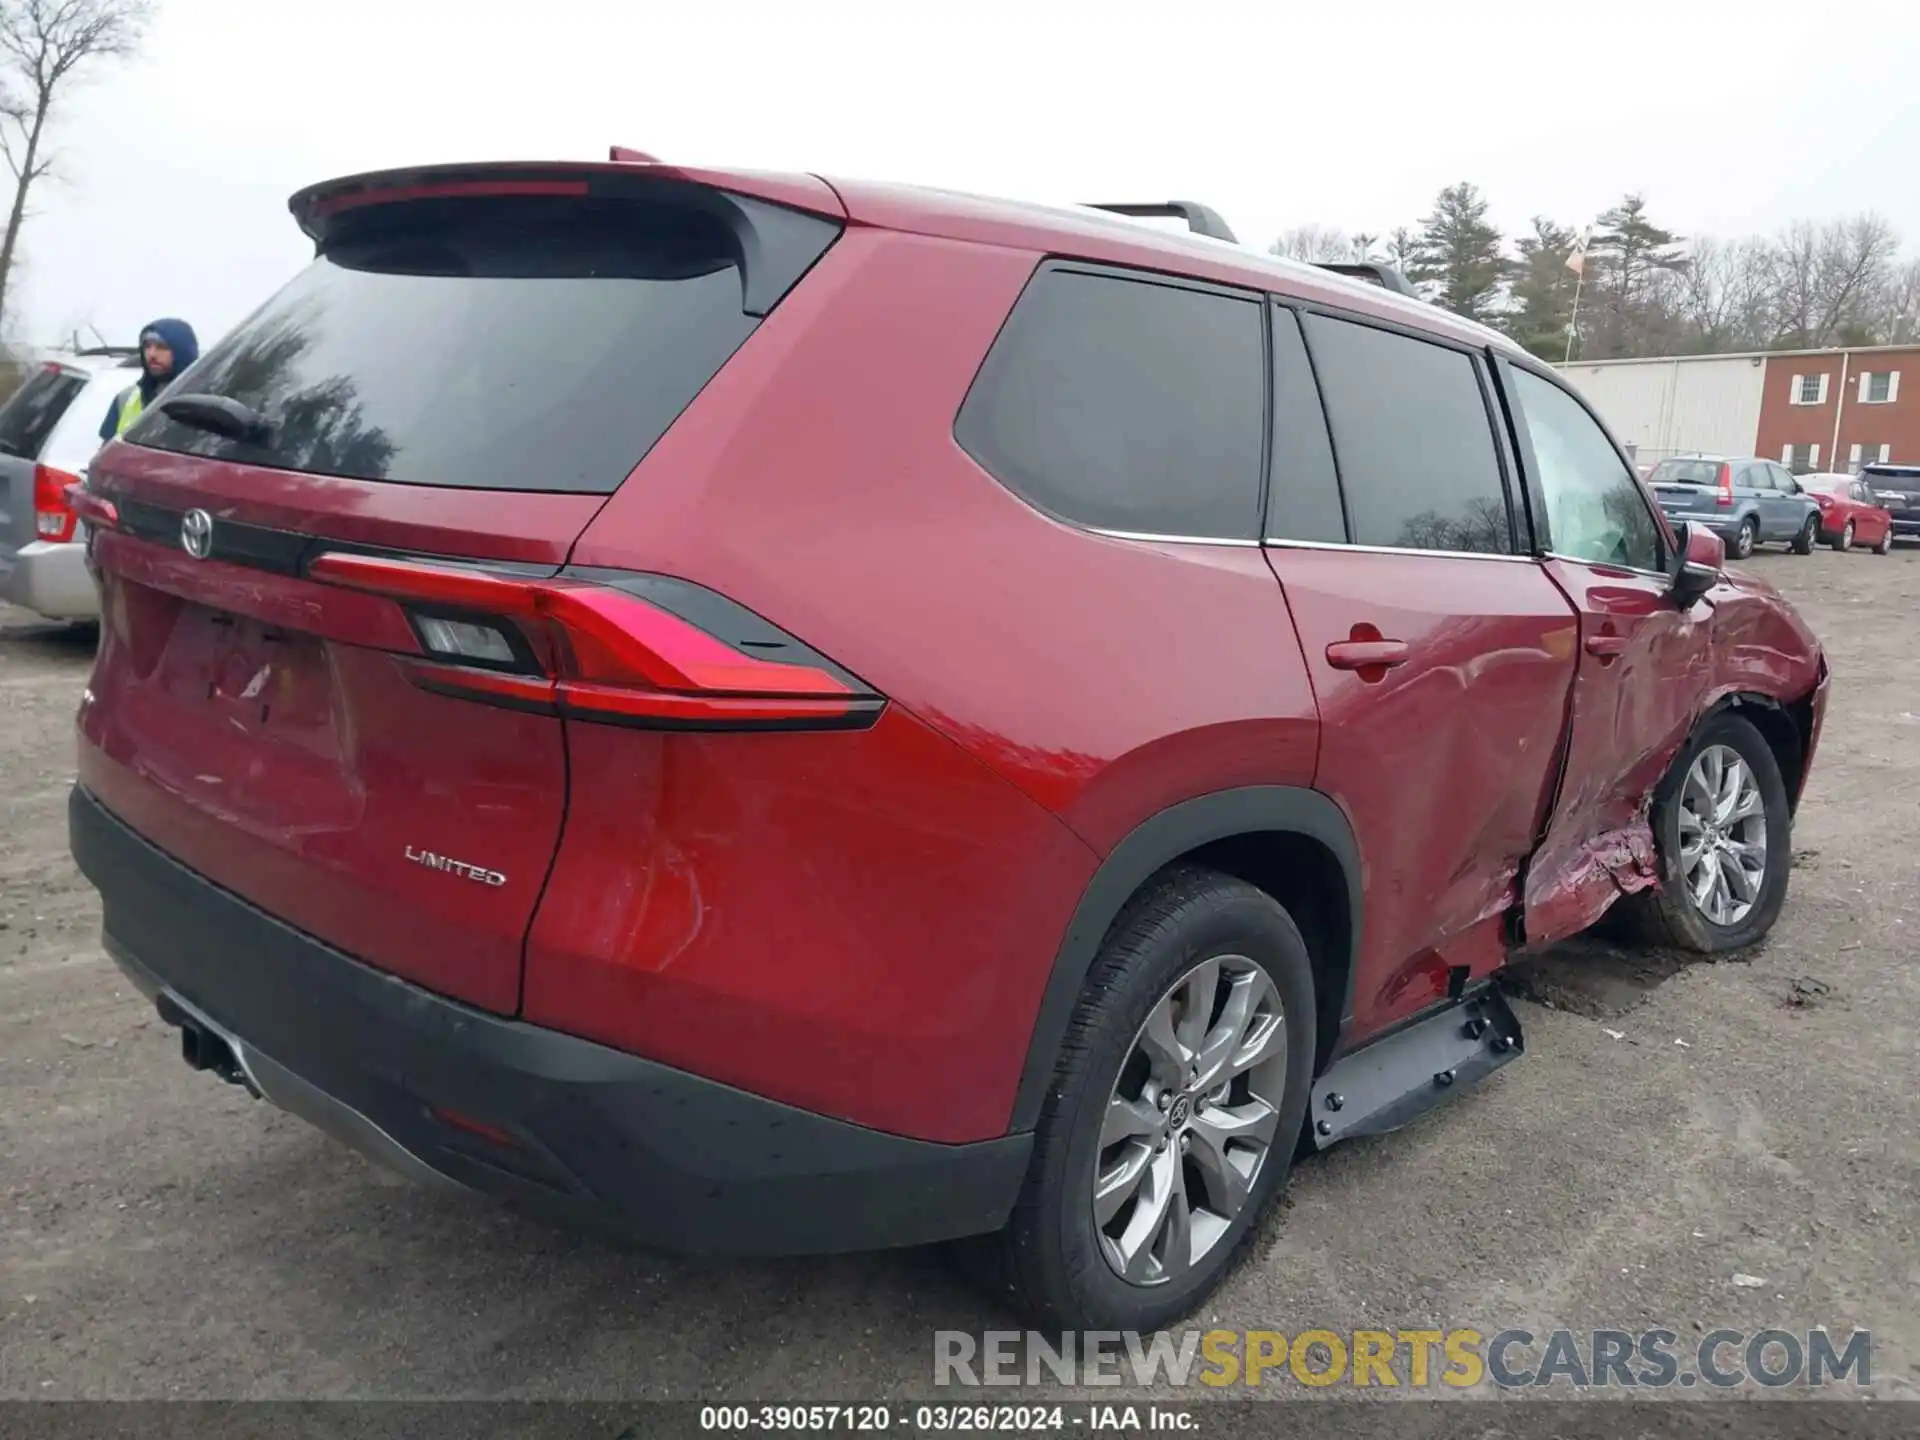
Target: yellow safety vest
x,y
130,408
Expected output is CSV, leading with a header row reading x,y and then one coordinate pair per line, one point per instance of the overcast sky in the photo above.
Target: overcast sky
x,y
1731,118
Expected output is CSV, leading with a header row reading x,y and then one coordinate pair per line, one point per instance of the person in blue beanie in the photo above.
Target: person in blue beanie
x,y
167,348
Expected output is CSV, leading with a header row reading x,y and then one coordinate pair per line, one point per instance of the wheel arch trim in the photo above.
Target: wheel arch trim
x,y
1149,848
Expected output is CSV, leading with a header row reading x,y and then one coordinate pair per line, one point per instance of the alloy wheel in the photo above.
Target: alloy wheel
x,y
1846,537
1723,835
1191,1120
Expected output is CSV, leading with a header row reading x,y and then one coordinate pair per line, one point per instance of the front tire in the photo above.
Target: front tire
x,y
1885,547
1174,1114
1723,828
1744,538
1803,543
1845,539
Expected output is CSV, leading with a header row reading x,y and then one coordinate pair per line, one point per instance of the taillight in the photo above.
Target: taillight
x,y
606,646
1726,486
98,511
53,517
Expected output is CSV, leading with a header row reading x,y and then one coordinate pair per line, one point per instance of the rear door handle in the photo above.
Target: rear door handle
x,y
1367,654
1606,647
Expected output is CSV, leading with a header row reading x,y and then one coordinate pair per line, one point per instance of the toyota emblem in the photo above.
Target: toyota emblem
x,y
196,534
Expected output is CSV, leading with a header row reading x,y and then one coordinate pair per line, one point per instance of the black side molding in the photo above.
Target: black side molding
x,y
1397,1078
1149,847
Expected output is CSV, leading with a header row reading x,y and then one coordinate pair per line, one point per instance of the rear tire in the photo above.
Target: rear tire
x,y
1809,533
1845,539
1669,914
1744,539
1058,1260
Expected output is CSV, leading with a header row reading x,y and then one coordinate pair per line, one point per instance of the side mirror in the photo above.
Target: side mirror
x,y
1700,559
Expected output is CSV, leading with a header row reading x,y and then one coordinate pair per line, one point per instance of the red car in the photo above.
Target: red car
x,y
1850,513
801,717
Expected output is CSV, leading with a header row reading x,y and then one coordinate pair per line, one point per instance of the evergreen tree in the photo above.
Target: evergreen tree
x,y
1631,264
1459,255
1543,289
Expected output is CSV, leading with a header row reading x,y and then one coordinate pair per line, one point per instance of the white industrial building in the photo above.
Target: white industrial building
x,y
1693,404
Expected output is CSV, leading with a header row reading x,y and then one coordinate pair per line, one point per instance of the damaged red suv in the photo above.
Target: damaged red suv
x,y
794,717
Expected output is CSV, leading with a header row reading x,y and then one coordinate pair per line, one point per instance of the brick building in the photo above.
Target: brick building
x,y
1809,409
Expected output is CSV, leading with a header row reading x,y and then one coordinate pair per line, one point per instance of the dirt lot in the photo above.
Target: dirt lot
x,y
1672,1126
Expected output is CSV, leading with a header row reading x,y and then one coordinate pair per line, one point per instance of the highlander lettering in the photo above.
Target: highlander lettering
x,y
455,867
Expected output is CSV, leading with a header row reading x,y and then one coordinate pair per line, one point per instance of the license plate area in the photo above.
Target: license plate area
x,y
256,679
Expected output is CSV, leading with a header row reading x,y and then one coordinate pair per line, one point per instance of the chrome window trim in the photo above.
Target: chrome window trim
x,y
1154,539
1392,550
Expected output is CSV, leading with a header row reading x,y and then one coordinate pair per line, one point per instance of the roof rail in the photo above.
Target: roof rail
x,y
1374,273
1200,219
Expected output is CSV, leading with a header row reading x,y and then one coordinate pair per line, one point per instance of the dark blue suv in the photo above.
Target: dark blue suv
x,y
1744,501
1897,488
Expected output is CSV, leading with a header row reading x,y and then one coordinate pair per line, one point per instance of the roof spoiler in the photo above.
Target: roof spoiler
x,y
622,155
1385,276
1200,219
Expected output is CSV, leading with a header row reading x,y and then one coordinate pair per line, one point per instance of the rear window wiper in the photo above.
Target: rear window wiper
x,y
218,415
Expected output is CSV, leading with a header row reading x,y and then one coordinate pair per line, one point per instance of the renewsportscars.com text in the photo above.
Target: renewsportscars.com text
x,y
1459,1358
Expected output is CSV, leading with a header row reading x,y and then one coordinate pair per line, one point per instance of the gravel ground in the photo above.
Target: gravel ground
x,y
1671,1126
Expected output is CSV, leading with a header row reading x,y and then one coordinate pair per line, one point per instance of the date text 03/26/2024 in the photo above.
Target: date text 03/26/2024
x,y
935,1419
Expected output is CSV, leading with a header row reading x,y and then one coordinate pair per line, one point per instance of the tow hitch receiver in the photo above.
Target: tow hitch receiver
x,y
1401,1076
203,1047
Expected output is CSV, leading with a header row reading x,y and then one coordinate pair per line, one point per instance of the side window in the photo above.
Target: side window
x,y
1416,452
1754,476
1783,480
1303,493
1596,509
1126,405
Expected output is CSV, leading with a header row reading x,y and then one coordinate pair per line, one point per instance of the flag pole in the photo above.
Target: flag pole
x,y
1577,262
1573,320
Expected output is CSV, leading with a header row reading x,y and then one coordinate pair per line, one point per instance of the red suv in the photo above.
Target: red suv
x,y
800,717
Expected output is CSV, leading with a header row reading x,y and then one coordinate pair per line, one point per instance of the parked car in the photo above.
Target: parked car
x,y
1850,514
49,430
1744,500
1897,489
918,717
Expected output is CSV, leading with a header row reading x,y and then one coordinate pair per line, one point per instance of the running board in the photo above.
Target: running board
x,y
1402,1075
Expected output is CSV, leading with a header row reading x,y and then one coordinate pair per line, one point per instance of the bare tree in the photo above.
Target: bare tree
x,y
1726,295
44,46
1314,244
1831,281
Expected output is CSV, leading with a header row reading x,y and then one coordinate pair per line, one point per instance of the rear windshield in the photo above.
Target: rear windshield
x,y
1906,480
493,344
1685,472
36,407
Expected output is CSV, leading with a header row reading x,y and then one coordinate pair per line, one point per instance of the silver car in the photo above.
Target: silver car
x,y
49,432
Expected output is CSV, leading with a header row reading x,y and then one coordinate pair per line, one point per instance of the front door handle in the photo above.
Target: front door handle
x,y
1606,647
1367,654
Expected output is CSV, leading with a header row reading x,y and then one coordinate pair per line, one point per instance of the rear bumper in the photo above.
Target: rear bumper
x,y
1723,523
558,1124
50,579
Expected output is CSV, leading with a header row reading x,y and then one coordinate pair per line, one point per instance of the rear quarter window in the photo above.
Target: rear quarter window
x,y
1126,405
493,344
